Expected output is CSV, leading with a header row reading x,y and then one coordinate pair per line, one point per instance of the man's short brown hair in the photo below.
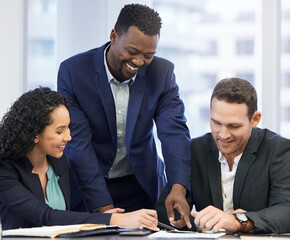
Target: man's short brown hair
x,y
236,90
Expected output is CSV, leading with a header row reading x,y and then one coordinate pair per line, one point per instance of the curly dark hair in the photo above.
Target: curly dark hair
x,y
27,117
144,18
237,90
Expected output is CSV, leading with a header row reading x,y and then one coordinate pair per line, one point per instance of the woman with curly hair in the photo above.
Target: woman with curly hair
x,y
34,174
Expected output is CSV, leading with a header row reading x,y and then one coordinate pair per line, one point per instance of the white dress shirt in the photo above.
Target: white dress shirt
x,y
228,179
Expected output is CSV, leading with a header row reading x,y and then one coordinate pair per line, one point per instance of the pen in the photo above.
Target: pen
x,y
165,226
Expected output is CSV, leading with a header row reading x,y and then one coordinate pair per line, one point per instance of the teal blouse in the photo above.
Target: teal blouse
x,y
55,198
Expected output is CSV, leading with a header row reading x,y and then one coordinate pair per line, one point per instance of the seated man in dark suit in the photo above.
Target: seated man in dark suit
x,y
240,174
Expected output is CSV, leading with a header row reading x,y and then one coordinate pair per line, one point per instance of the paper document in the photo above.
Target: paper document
x,y
166,234
51,231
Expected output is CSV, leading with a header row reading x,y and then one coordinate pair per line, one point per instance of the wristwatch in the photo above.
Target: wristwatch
x,y
243,219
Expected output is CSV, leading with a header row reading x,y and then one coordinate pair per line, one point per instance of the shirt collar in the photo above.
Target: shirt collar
x,y
223,159
109,75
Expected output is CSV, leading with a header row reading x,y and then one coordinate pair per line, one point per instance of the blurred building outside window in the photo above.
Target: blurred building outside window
x,y
208,41
205,39
41,60
285,68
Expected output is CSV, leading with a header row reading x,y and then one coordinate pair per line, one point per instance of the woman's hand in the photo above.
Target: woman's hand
x,y
115,210
141,218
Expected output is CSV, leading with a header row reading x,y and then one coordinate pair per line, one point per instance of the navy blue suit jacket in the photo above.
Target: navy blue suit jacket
x,y
22,202
153,97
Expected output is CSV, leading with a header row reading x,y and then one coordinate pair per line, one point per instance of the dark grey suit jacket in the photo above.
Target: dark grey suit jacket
x,y
262,181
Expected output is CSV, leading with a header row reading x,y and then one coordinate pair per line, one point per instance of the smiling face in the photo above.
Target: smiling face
x,y
55,136
231,127
130,52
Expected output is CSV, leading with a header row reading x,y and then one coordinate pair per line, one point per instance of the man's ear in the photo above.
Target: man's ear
x,y
256,119
113,36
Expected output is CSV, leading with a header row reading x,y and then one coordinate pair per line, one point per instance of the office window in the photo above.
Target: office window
x,y
245,47
246,16
285,13
208,17
210,79
286,114
202,39
41,60
247,75
285,80
285,47
285,68
209,48
204,113
41,47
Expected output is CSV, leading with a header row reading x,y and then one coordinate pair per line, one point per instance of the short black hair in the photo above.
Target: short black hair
x,y
26,118
143,17
236,90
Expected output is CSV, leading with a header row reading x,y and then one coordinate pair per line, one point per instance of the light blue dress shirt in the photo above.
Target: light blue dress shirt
x,y
121,92
55,198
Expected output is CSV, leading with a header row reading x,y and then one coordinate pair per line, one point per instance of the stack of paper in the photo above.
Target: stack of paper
x,y
52,231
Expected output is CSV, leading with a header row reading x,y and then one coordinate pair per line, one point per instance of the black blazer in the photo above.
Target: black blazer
x,y
262,181
22,202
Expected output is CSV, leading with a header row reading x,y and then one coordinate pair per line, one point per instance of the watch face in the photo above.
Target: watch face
x,y
241,217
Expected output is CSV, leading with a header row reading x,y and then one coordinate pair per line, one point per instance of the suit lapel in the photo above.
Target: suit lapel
x,y
64,188
105,92
33,181
244,164
134,105
214,174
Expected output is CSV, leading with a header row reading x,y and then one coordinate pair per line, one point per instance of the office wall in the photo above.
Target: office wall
x,y
12,41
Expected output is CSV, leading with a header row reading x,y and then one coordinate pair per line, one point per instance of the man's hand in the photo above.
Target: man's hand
x,y
238,211
212,218
176,199
106,208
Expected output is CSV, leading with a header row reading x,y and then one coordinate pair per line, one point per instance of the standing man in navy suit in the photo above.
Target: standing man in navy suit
x,y
116,92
